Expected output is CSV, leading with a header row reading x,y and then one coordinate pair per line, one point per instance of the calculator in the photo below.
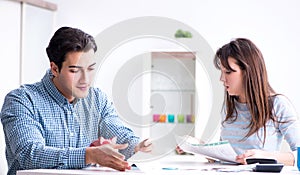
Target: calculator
x,y
276,168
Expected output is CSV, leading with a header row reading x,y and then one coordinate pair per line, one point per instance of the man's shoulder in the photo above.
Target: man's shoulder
x,y
25,90
96,95
94,91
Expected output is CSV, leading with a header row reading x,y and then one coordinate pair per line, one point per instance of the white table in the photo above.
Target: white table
x,y
168,165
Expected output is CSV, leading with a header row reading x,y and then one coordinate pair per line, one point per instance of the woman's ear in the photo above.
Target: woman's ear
x,y
54,69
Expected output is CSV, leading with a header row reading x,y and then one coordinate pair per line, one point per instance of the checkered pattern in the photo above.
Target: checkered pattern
x,y
43,130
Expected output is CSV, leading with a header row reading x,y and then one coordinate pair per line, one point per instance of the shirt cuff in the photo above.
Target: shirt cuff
x,y
73,158
295,153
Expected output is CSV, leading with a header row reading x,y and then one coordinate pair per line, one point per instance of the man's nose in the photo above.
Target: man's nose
x,y
84,78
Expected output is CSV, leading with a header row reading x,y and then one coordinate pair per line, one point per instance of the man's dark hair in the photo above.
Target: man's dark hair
x,y
67,39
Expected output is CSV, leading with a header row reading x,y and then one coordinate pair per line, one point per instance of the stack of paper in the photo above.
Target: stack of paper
x,y
221,150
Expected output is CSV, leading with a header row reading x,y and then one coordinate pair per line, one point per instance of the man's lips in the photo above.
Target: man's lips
x,y
82,87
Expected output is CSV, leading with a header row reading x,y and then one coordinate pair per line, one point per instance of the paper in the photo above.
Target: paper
x,y
218,150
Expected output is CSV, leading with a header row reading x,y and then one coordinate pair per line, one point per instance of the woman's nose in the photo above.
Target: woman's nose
x,y
222,77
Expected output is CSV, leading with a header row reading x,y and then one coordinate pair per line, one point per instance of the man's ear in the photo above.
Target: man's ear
x,y
54,69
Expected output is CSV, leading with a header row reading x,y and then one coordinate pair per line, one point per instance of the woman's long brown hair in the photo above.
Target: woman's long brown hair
x,y
257,88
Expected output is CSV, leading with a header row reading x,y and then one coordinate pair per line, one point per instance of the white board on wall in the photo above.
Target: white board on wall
x,y
25,31
37,29
10,53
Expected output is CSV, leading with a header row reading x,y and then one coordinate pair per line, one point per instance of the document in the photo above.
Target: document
x,y
221,150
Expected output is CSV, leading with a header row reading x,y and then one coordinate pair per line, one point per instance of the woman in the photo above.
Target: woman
x,y
255,118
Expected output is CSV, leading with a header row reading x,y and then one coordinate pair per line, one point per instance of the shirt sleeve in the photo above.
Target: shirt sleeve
x,y
25,141
289,124
112,126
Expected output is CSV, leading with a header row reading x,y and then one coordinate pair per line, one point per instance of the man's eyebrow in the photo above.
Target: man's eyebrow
x,y
92,65
75,66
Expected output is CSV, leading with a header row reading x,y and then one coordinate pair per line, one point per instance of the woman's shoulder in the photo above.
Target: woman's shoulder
x,y
280,99
283,107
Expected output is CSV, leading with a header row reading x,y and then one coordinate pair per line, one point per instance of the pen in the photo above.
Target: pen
x,y
173,168
169,168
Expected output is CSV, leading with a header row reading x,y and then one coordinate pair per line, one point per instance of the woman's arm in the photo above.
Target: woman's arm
x,y
287,158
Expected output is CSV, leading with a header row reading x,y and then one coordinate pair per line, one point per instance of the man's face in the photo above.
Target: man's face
x,y
76,75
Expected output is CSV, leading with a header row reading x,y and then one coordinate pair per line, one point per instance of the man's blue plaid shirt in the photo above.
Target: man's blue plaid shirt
x,y
43,130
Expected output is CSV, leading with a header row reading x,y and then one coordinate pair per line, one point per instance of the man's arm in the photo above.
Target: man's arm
x,y
25,138
111,126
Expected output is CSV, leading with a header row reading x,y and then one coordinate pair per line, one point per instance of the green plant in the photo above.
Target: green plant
x,y
183,34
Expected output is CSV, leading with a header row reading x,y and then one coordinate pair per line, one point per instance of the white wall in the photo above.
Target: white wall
x,y
10,52
272,24
24,31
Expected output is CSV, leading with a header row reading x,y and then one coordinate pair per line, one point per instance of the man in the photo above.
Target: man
x,y
50,124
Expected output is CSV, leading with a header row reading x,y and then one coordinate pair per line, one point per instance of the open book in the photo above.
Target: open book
x,y
221,150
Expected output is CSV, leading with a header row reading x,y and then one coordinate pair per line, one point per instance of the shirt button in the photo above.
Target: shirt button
x,y
71,134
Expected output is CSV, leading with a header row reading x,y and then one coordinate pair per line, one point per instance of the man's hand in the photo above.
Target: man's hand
x,y
144,146
107,155
101,141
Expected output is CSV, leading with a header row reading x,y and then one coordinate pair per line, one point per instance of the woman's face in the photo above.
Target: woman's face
x,y
233,80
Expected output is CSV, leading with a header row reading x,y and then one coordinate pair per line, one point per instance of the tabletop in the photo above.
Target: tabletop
x,y
174,164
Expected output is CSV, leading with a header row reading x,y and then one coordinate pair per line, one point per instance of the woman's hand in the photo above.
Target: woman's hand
x,y
189,139
179,150
254,153
287,158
